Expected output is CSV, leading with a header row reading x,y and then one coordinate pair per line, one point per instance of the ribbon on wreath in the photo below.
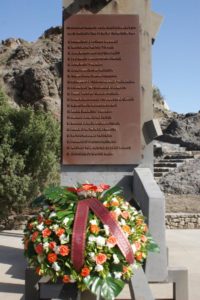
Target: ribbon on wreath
x,y
79,231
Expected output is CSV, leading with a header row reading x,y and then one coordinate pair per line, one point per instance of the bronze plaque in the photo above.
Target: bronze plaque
x,y
101,90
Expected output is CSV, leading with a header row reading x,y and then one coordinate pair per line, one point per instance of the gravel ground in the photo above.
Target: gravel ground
x,y
182,203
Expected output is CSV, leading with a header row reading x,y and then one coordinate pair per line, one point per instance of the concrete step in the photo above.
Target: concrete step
x,y
165,164
178,156
173,160
158,174
161,170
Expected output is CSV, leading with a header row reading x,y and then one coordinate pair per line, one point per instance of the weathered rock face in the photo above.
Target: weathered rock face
x,y
31,72
183,180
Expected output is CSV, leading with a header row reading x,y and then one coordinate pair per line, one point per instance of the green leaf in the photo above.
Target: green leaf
x,y
108,287
153,247
116,190
59,194
39,201
111,288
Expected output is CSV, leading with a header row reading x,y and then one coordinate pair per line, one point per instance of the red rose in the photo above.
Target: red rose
x,y
89,187
66,279
40,219
71,189
46,232
85,272
34,236
52,257
60,231
64,250
52,245
39,248
102,187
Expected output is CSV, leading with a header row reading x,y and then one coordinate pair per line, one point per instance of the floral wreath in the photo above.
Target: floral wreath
x,y
109,250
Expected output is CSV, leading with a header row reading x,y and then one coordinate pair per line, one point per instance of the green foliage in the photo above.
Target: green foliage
x,y
28,155
109,288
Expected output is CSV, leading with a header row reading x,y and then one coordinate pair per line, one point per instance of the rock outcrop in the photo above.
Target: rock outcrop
x,y
30,73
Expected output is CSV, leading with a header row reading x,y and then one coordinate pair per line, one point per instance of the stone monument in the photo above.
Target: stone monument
x,y
107,117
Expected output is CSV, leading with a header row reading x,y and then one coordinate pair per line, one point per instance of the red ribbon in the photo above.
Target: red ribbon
x,y
79,231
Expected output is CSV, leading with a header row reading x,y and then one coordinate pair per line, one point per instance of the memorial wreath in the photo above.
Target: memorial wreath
x,y
89,235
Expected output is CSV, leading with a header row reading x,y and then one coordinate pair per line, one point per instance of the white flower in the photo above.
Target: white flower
x,y
115,259
72,280
64,239
46,246
52,214
99,268
93,222
133,248
122,222
92,239
56,266
56,249
114,199
55,227
132,218
65,221
132,229
107,231
92,256
118,211
118,275
40,227
100,241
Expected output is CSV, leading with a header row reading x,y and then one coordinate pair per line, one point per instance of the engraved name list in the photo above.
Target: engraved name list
x,y
101,91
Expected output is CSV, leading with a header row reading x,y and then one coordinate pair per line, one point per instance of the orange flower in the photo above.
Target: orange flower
x,y
38,271
112,240
60,231
137,245
48,222
30,226
46,232
52,245
138,256
125,214
94,228
39,248
34,236
114,215
145,228
139,221
115,203
52,257
143,238
66,279
106,204
126,229
85,272
125,269
64,250
100,258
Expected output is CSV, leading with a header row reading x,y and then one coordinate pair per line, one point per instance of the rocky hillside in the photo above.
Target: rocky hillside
x,y
30,73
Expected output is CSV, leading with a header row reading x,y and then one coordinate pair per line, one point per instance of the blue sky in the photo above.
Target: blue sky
x,y
176,52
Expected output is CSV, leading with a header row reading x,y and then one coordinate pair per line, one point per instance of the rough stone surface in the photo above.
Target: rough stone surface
x,y
182,221
30,73
183,180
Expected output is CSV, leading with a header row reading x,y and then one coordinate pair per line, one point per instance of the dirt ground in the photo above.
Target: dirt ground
x,y
182,203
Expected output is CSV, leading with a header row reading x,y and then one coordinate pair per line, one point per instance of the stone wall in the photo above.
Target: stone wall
x,y
182,220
